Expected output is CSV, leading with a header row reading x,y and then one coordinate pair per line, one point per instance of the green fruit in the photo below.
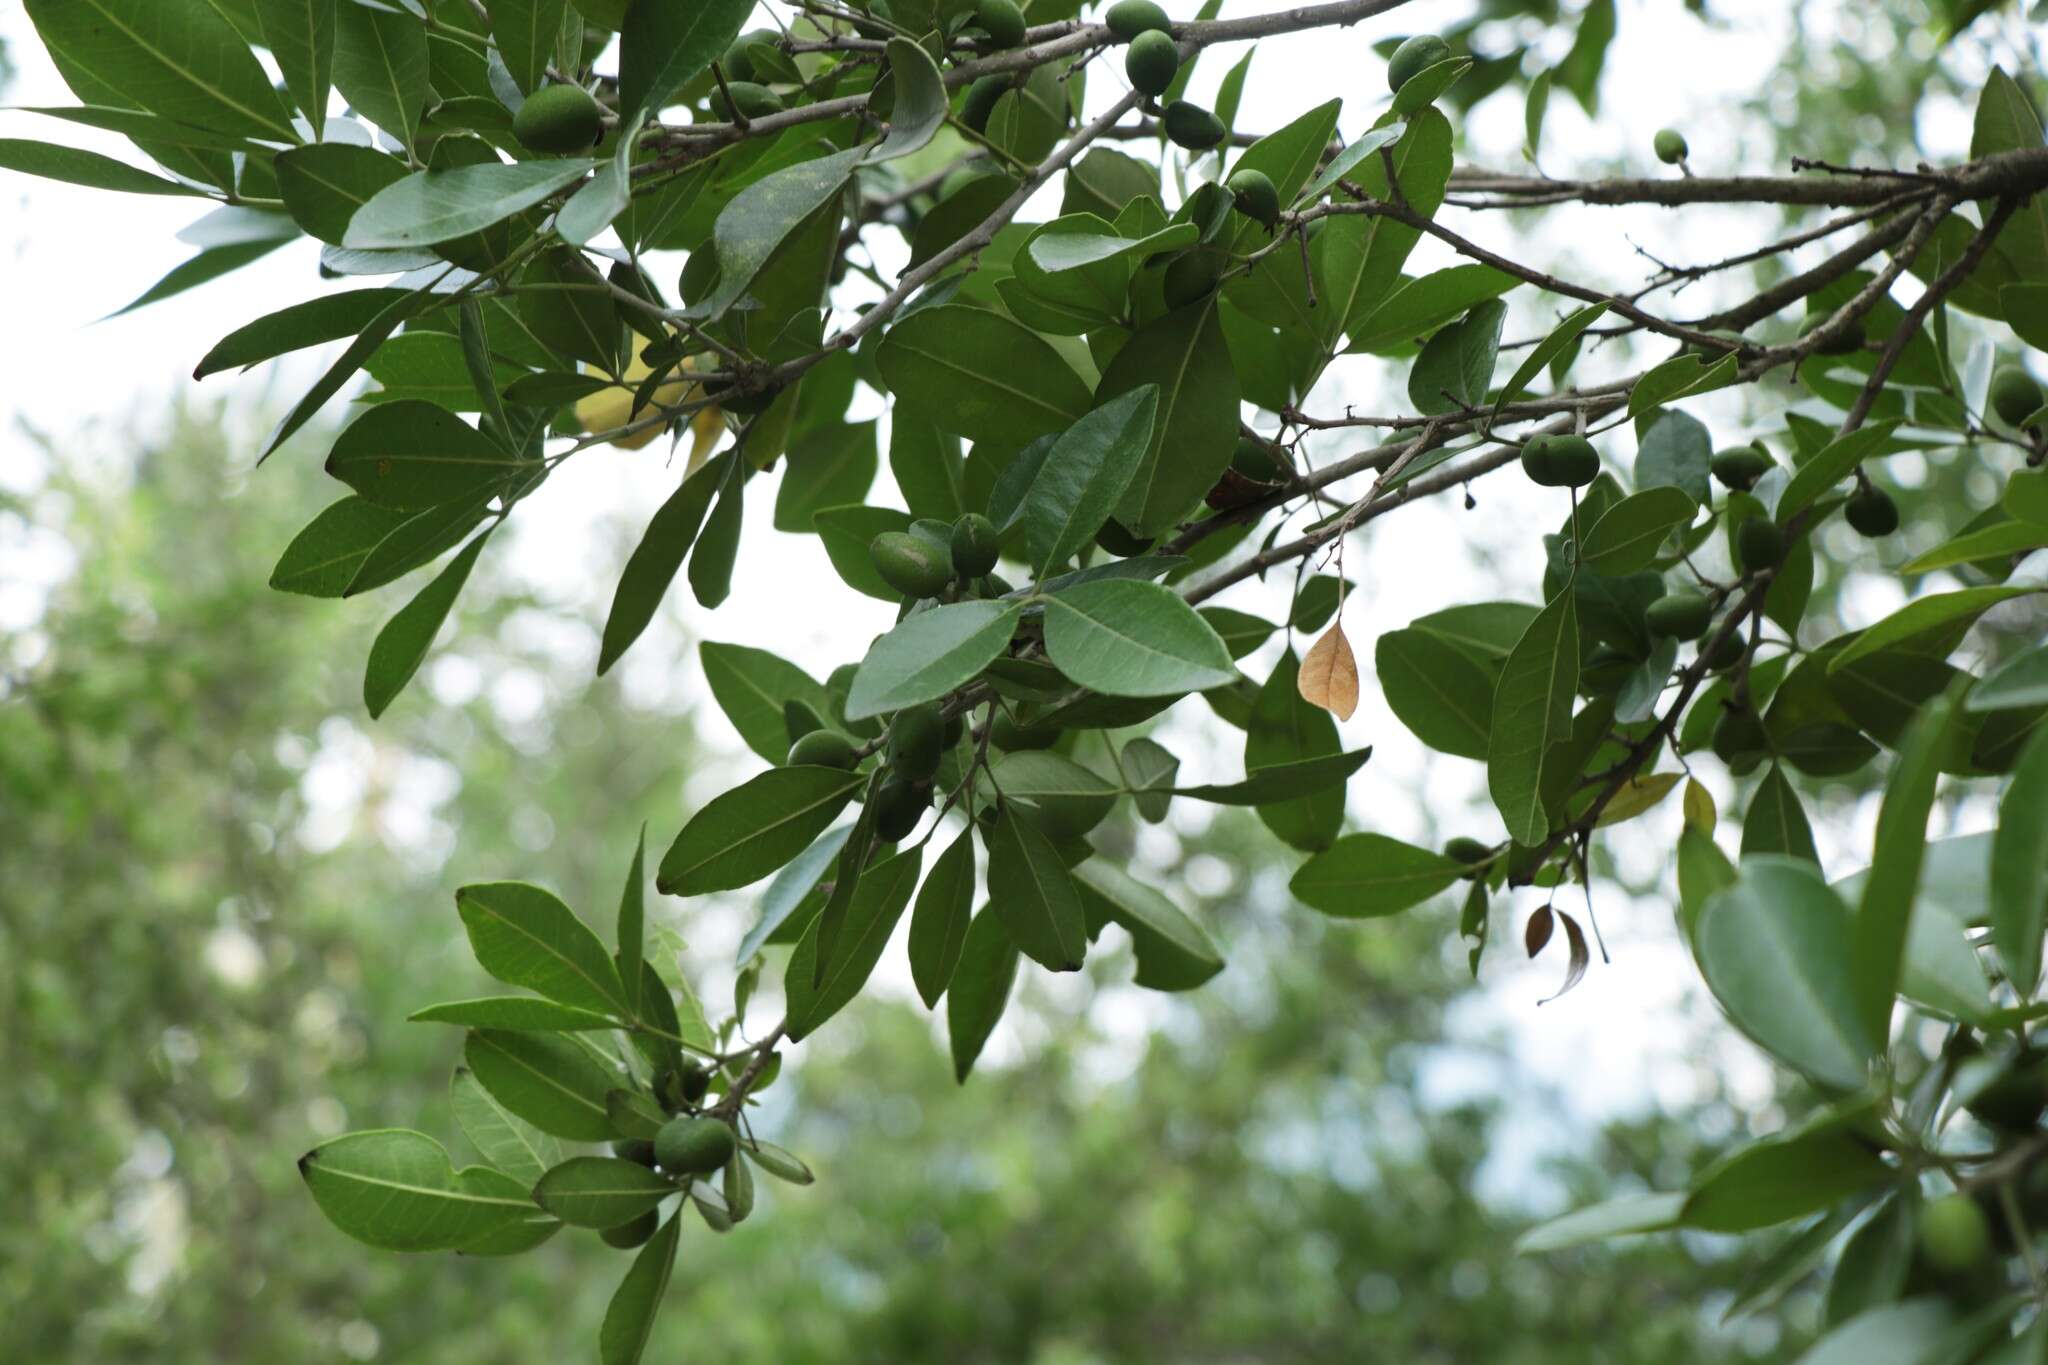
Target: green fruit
x,y
914,567
981,101
1847,342
1560,461
1680,615
1256,198
975,545
1191,126
748,101
1151,62
1128,18
1414,57
1255,460
1116,540
956,730
634,1149
2016,1100
1727,653
693,1081
738,63
917,741
2015,395
1759,544
1467,851
1955,1236
1009,736
1739,468
898,808
693,1146
1191,277
626,1236
1739,739
558,118
1872,512
1002,21
1606,670
823,749
1670,146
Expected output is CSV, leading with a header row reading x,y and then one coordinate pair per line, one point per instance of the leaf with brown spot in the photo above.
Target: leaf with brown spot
x,y
1329,675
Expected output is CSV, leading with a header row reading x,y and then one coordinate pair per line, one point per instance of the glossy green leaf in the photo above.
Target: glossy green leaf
x,y
920,101
1367,875
326,185
871,915
370,336
1285,728
752,686
438,206
381,67
301,36
1033,894
1776,1181
78,167
1068,799
1830,466
504,1139
1997,542
654,563
1437,690
1125,638
1282,781
1359,258
516,1013
551,1081
1626,537
629,1317
1625,1216
1174,953
1455,369
1928,613
980,989
527,32
1776,822
397,1190
401,647
1421,306
663,47
977,373
1084,475
929,655
1182,355
207,266
765,215
1680,378
1532,710
846,533
414,454
938,924
1884,916
525,936
600,1191
750,831
2019,868
716,552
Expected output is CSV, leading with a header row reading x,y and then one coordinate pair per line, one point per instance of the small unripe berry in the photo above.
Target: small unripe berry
x,y
1872,512
1740,467
1191,126
1255,196
1151,62
1001,20
1129,18
693,1146
558,118
1415,56
1670,146
2015,395
1680,615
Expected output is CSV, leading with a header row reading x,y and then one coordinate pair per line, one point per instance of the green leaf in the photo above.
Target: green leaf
x,y
718,547
1775,948
300,35
438,206
763,216
1184,356
1884,918
1437,690
1455,368
632,925
564,303
1285,728
419,538
664,47
1626,538
77,167
977,373
527,32
1996,542
1922,614
1125,638
1282,781
832,466
2019,868
1290,153
381,67
752,686
324,186
1084,475
1368,875
414,454
160,137
1829,466
748,832
1626,1216
928,655
505,1140
928,467
322,559
920,101
980,989
1776,823
371,335
871,916
654,564
1068,799
177,58
845,532
1532,710
552,1082
1565,334
629,1318
938,925
397,1190
515,1013
1776,1181
1680,378
1907,1333
1359,264
1174,954
525,936
1676,452
402,645
207,266
600,1191
1420,306
1033,894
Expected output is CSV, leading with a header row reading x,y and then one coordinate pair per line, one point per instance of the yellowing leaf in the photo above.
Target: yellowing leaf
x,y
1699,807
1329,675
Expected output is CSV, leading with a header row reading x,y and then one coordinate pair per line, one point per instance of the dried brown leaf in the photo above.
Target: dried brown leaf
x,y
1329,675
1536,933
1581,958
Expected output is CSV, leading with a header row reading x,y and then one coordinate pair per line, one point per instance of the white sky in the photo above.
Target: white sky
x,y
73,255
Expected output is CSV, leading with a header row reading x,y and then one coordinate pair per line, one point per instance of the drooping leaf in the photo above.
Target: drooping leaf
x,y
401,647
76,166
414,454
397,1190
938,924
525,936
600,1191
1884,917
301,35
655,562
1532,710
1125,638
381,67
1284,729
870,918
1437,690
2019,868
748,832
980,989
1033,894
1365,875
629,1318
1184,356
1084,474
1174,953
920,101
1455,370
929,655
1329,674
752,686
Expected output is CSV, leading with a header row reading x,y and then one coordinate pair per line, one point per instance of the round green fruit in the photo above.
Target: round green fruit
x,y
898,808
1740,467
975,545
693,1146
2015,395
1115,539
1414,57
1256,198
1872,512
1560,461
1255,460
1191,277
558,118
1129,18
1606,671
1727,653
2017,1099
956,730
1670,146
981,101
1002,21
911,566
823,749
1759,544
1739,739
693,1081
1191,126
626,1236
1152,61
748,101
738,61
1467,851
638,1150
1680,615
917,741
1955,1236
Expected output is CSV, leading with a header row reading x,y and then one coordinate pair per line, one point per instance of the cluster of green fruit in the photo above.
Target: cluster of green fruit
x,y
687,1147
